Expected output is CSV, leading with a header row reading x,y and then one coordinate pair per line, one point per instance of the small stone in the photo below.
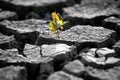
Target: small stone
x,y
90,58
113,61
46,68
114,73
112,23
13,73
42,77
116,47
97,74
62,76
32,15
75,67
7,42
105,52
8,15
58,49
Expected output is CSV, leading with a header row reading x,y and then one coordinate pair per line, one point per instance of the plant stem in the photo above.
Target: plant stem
x,y
58,34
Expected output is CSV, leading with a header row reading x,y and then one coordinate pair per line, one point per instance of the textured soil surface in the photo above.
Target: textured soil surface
x,y
88,48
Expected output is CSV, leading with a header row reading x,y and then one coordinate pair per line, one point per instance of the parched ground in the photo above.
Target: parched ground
x,y
88,48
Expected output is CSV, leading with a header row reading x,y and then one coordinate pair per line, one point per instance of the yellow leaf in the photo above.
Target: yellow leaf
x,y
61,27
59,19
57,16
53,26
53,15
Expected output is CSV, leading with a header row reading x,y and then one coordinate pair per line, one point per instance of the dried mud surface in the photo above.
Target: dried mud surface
x,y
86,49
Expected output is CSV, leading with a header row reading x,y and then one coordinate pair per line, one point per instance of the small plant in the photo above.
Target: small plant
x,y
57,23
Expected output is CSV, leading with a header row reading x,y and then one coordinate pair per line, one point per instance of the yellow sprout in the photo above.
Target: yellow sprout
x,y
56,17
56,23
53,26
60,20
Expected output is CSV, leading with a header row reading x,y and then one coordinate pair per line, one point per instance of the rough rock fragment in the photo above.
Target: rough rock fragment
x,y
81,35
33,53
97,74
92,13
8,15
25,26
116,47
75,67
105,52
114,73
30,25
12,56
112,23
7,42
23,7
55,54
113,2
97,35
62,76
88,10
45,70
56,49
32,3
32,15
93,59
25,31
60,53
13,73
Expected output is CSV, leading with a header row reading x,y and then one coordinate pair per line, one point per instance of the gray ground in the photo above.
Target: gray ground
x,y
88,48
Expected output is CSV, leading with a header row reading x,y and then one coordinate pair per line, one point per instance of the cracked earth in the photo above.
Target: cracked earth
x,y
88,48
